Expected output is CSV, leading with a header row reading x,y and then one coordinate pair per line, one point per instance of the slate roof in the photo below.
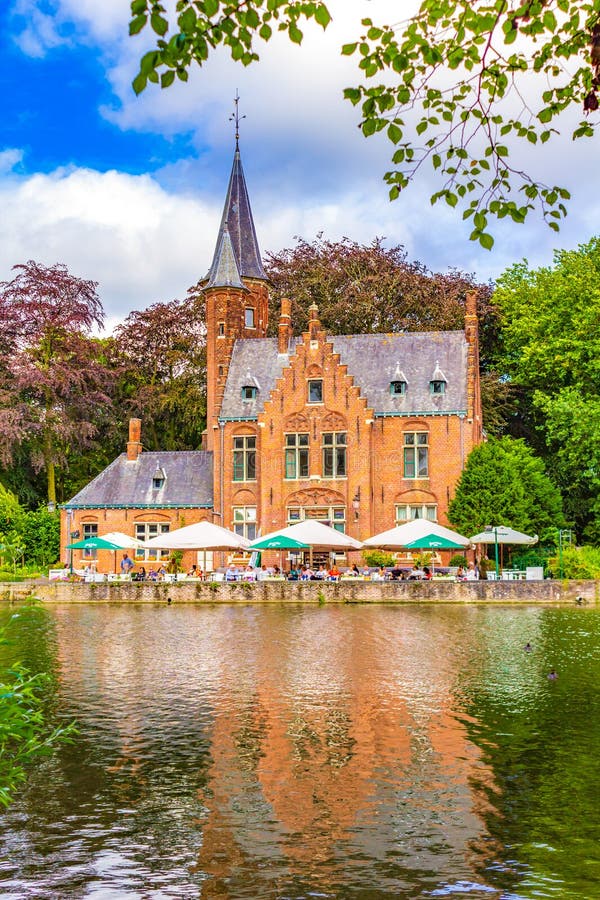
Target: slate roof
x,y
238,222
188,483
374,360
224,271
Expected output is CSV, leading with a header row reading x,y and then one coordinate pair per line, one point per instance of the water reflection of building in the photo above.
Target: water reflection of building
x,y
334,740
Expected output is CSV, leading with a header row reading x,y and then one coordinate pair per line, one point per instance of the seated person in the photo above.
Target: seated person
x,y
153,575
231,574
353,570
472,574
140,575
461,574
427,574
334,573
415,574
249,574
161,572
195,572
305,573
293,574
321,573
396,574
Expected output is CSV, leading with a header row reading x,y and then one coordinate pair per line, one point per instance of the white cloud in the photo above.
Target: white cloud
x,y
309,169
10,158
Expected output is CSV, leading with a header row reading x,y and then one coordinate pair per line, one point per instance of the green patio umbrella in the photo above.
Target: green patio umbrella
x,y
94,544
278,542
433,542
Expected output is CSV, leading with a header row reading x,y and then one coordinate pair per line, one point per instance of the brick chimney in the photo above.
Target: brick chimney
x,y
472,336
134,447
285,325
314,325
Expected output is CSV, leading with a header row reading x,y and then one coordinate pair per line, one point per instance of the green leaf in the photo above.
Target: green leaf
x,y
322,16
167,78
486,240
159,24
295,33
394,133
136,25
139,83
211,7
349,49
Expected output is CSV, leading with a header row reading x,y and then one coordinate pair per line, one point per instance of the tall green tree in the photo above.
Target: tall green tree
x,y
548,352
461,83
504,483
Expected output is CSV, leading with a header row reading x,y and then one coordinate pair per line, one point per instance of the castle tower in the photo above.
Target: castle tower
x,y
236,292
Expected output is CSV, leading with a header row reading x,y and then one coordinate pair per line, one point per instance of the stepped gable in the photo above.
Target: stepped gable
x,y
125,482
372,360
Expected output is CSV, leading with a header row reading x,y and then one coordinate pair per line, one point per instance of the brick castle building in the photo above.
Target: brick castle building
x,y
360,431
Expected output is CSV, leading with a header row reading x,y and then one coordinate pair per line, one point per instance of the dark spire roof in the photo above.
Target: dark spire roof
x,y
238,223
224,271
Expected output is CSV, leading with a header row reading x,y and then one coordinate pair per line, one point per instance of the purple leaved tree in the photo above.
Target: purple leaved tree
x,y
52,377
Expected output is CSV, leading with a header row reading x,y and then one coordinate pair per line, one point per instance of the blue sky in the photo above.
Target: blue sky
x,y
128,191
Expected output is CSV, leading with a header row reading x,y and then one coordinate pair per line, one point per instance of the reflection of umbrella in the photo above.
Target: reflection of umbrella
x,y
278,542
502,534
407,535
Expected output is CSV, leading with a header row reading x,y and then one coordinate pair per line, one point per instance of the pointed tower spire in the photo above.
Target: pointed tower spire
x,y
237,220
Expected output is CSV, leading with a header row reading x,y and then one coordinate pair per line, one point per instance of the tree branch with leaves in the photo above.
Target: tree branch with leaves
x,y
465,83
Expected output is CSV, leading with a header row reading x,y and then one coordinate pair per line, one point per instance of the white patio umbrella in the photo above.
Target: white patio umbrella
x,y
200,536
124,541
411,531
502,534
317,535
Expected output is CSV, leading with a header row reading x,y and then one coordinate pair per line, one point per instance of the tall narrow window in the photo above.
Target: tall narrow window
x,y
244,458
416,454
249,317
244,521
334,454
296,456
90,530
315,390
221,329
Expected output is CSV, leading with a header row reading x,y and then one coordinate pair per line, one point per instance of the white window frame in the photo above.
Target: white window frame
x,y
143,532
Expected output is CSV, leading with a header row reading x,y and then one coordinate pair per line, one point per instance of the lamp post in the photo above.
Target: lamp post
x,y
490,528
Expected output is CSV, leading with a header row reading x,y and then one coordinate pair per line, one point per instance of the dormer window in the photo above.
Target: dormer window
x,y
249,392
249,317
158,479
397,388
438,382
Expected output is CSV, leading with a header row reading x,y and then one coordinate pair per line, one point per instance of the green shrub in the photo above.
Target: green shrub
x,y
577,562
378,558
458,560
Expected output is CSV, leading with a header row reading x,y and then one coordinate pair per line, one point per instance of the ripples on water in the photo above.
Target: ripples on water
x,y
330,752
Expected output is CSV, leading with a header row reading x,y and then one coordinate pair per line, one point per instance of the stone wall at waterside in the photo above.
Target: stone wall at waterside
x,y
584,592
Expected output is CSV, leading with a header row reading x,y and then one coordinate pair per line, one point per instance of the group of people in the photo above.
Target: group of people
x,y
470,573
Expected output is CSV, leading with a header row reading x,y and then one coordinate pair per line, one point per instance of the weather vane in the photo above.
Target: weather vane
x,y
237,119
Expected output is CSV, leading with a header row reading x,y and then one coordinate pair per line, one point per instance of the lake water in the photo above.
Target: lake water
x,y
311,752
